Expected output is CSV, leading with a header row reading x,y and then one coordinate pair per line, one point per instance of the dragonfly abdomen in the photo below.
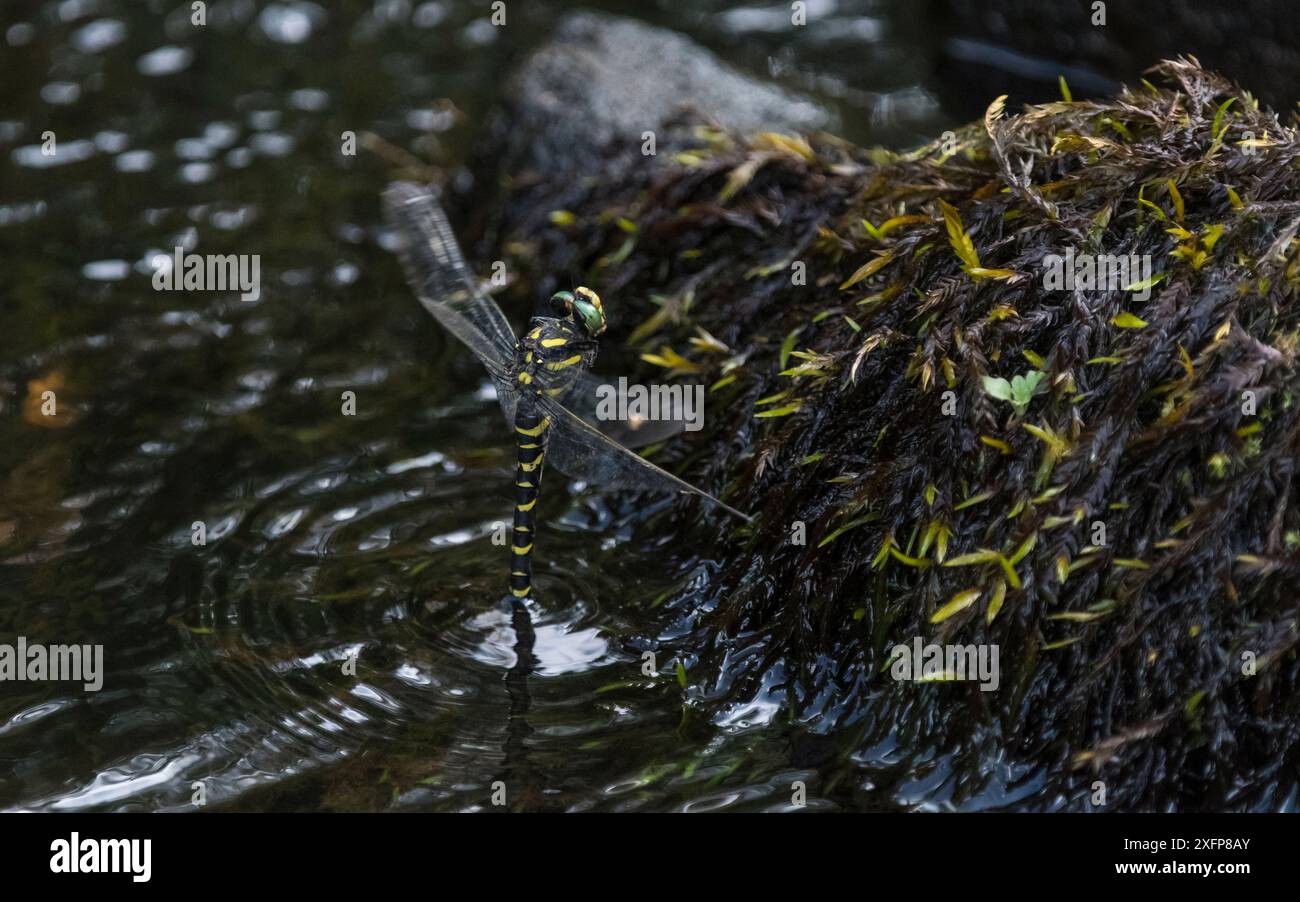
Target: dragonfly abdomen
x,y
530,440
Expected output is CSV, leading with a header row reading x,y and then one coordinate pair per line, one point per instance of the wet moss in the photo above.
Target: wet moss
x,y
956,438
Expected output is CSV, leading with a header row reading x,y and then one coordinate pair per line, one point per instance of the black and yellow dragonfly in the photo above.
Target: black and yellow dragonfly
x,y
542,380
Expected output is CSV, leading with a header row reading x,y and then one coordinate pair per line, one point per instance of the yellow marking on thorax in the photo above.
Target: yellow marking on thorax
x,y
576,358
554,342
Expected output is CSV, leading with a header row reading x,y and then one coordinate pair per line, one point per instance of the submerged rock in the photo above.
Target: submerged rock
x,y
946,440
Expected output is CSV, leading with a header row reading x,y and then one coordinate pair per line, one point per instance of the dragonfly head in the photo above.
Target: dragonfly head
x,y
582,305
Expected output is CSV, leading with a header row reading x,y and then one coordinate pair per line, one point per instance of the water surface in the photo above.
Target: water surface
x,y
339,642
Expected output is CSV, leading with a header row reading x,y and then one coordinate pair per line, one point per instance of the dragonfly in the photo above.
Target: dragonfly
x,y
543,380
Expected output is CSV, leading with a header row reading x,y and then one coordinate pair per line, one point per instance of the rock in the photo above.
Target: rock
x,y
603,79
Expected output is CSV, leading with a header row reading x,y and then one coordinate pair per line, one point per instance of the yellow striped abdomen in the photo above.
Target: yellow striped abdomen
x,y
530,440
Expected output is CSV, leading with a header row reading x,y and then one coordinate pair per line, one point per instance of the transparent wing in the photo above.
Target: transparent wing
x,y
437,273
579,449
589,396
582,443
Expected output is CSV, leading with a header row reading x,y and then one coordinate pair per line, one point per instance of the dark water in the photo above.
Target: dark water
x,y
330,538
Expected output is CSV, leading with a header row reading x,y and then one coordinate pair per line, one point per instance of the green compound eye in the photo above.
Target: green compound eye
x,y
562,302
586,304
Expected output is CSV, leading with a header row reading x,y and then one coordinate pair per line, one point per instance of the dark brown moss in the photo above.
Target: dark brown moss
x,y
1129,660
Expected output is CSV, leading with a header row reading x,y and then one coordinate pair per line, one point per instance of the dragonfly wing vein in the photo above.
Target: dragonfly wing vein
x,y
577,448
588,396
442,281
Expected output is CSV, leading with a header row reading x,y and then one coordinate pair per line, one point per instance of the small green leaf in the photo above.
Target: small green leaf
x,y
1147,283
960,602
1025,383
1012,576
1217,128
868,269
1019,391
779,411
983,556
973,500
788,345
918,563
1024,387
997,387
1127,320
995,603
1025,547
843,529
1179,207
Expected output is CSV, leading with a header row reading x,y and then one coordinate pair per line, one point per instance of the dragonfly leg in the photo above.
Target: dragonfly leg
x,y
530,438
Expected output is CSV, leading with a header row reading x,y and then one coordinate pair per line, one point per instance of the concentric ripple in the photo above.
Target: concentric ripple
x,y
301,605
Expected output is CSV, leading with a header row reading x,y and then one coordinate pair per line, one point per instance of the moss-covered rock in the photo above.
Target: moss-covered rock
x,y
1121,522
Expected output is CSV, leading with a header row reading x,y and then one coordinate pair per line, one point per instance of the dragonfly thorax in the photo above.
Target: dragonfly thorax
x,y
551,348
